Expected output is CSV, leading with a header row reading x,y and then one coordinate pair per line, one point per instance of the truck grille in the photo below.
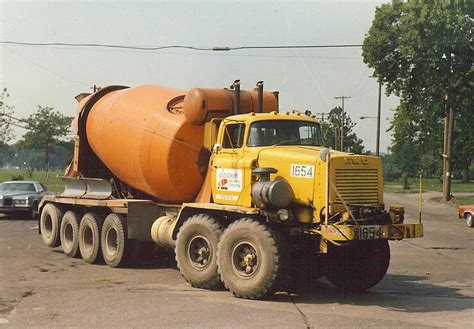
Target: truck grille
x,y
357,186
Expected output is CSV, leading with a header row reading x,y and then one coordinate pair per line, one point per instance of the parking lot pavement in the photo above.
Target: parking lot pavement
x,y
429,284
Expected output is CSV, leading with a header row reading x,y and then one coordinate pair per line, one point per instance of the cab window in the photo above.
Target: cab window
x,y
233,136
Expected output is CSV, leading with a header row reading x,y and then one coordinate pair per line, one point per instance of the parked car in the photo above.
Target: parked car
x,y
467,212
21,196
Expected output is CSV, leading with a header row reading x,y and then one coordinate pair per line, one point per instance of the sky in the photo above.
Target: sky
x,y
306,78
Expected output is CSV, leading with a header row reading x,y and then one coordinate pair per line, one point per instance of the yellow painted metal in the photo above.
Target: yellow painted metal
x,y
221,207
304,214
341,233
420,209
358,178
210,133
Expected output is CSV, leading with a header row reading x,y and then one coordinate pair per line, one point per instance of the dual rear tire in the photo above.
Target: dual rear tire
x,y
245,256
91,237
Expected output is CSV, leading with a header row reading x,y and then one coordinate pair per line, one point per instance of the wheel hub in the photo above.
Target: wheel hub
x,y
245,260
199,252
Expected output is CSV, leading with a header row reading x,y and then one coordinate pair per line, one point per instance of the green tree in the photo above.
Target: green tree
x,y
422,51
5,121
47,129
331,132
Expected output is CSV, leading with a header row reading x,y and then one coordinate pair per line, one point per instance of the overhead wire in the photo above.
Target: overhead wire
x,y
218,48
152,48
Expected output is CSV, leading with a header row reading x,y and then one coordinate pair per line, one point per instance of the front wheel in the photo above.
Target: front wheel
x,y
469,220
196,249
249,259
359,265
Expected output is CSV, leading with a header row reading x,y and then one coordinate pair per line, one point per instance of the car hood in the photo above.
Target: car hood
x,y
13,194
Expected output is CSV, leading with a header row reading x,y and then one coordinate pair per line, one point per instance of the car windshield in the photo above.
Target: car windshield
x,y
17,187
284,132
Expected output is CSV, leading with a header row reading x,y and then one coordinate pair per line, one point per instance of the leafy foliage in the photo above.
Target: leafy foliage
x,y
5,110
47,129
352,143
422,51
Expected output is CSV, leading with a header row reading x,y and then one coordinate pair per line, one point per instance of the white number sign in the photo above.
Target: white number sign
x,y
303,171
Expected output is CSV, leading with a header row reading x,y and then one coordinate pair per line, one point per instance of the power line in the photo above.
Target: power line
x,y
153,48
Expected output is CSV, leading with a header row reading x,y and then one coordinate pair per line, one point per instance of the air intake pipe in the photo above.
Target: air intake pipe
x,y
274,194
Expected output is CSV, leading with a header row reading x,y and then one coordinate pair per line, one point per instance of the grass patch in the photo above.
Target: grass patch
x,y
429,184
53,182
460,200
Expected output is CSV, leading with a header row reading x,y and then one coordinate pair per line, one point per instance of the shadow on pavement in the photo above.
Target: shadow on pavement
x,y
403,293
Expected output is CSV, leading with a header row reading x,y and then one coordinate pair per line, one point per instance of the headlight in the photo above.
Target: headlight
x,y
1,196
23,201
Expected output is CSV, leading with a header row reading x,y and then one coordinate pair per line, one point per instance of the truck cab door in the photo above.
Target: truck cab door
x,y
228,165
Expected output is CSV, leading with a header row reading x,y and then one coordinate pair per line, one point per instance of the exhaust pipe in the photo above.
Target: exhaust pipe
x,y
277,93
260,96
236,86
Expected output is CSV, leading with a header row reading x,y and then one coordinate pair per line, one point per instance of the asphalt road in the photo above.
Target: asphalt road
x,y
429,284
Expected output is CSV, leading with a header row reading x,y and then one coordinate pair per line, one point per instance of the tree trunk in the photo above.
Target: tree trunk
x,y
465,171
47,161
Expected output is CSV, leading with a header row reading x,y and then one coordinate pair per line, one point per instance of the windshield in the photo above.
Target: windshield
x,y
284,132
17,187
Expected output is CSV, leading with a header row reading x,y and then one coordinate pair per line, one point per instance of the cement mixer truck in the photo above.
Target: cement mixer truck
x,y
244,194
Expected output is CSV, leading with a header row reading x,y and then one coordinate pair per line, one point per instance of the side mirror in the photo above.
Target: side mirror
x,y
216,148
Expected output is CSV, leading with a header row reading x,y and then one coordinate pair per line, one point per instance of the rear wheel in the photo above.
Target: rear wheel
x,y
249,259
469,220
358,266
69,234
50,222
196,251
89,237
114,242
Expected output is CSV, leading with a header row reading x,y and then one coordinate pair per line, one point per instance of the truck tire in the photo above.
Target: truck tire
x,y
469,220
249,259
359,266
113,240
69,234
50,222
196,251
89,237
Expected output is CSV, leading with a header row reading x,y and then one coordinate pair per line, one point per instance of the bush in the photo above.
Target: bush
x,y
406,183
17,177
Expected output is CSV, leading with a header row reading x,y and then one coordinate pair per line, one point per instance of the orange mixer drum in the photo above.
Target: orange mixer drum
x,y
151,137
143,138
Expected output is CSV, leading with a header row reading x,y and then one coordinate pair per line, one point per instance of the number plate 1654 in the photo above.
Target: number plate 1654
x,y
368,232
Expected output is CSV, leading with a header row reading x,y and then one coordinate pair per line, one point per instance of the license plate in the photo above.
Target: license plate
x,y
368,232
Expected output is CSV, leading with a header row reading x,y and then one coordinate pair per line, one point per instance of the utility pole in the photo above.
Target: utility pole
x,y
379,110
343,114
448,142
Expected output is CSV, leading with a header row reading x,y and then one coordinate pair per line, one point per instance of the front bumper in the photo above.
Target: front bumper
x,y
341,233
12,208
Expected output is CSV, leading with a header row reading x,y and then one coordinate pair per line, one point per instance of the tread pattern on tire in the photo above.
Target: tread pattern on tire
x,y
262,233
56,216
71,218
96,223
217,229
121,225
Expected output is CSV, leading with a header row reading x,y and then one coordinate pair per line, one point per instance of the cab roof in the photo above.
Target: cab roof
x,y
252,117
